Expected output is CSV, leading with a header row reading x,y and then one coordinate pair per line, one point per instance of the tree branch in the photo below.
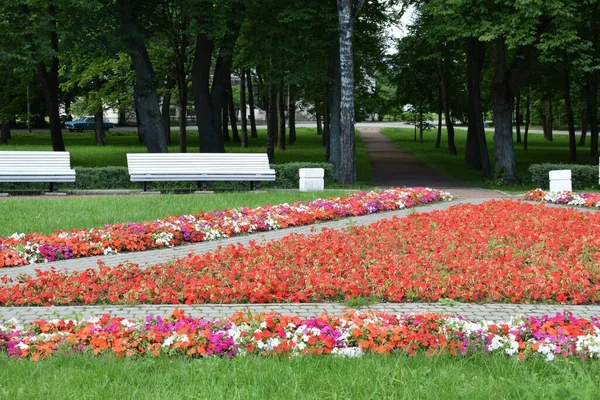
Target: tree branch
x,y
360,5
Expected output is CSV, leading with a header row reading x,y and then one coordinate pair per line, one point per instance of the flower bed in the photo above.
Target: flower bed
x,y
499,251
591,200
352,334
23,249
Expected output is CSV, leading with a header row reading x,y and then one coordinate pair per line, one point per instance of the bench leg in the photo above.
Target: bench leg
x,y
251,185
53,187
146,186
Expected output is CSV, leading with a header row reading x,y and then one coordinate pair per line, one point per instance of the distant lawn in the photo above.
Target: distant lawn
x,y
540,151
85,153
372,377
43,214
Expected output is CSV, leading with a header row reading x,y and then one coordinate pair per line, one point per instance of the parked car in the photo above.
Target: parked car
x,y
86,124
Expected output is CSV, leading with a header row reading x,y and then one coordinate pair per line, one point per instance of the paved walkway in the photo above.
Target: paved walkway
x,y
391,167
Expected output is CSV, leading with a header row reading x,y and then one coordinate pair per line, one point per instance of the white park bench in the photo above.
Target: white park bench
x,y
199,167
36,166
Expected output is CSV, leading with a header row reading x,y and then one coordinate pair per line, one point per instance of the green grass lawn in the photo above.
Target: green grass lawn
x,y
372,377
47,214
85,153
540,150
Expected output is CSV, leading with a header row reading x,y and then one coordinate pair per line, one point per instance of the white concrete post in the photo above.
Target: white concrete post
x,y
311,179
560,180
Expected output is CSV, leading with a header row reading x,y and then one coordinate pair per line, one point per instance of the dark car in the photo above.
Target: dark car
x,y
86,124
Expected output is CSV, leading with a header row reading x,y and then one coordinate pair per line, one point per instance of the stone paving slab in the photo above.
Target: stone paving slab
x,y
490,312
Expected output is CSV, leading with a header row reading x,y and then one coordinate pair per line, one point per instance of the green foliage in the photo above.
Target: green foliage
x,y
396,376
582,176
103,178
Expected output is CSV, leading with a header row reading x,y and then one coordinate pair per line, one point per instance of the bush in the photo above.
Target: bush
x,y
118,178
582,176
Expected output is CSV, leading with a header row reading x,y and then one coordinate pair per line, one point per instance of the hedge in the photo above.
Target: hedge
x,y
118,178
582,176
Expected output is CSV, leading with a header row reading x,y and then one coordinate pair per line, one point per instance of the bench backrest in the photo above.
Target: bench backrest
x,y
148,163
12,162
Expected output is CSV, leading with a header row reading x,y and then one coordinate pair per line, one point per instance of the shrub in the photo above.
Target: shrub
x,y
118,178
582,176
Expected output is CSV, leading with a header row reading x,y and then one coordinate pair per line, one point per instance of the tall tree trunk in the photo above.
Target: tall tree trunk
x,y
253,133
272,122
591,89
4,132
518,115
319,123
527,118
503,105
281,116
336,97
182,90
243,112
421,123
570,116
584,127
50,84
207,107
99,117
225,122
137,125
446,106
326,122
151,127
292,114
347,160
548,118
438,139
232,114
477,154
166,110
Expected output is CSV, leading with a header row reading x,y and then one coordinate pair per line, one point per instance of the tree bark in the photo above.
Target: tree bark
x,y
99,117
527,118
446,107
421,123
50,84
208,108
503,105
548,118
272,123
319,123
336,97
570,116
243,112
253,133
584,128
292,114
438,139
518,116
591,90
166,110
281,116
4,132
232,114
151,127
347,160
326,122
225,123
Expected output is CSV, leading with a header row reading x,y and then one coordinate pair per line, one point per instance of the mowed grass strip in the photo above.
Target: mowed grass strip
x,y
371,377
540,151
85,153
47,214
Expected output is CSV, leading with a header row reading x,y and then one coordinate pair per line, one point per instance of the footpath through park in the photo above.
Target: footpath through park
x,y
390,167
